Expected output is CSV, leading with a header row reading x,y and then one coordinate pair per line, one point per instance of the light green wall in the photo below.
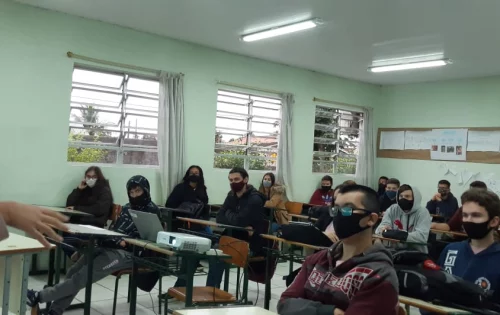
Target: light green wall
x,y
460,103
35,82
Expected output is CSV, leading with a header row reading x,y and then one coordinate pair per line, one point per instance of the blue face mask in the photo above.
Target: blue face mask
x,y
391,194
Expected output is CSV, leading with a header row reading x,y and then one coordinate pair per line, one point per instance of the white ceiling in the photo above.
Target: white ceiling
x,y
355,32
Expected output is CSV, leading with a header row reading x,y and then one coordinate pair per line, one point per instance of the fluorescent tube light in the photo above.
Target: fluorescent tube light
x,y
281,30
411,65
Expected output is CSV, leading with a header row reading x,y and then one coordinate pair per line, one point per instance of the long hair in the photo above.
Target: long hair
x,y
98,172
273,181
201,182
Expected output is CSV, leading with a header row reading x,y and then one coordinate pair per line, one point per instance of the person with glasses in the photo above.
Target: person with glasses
x,y
354,276
443,203
410,218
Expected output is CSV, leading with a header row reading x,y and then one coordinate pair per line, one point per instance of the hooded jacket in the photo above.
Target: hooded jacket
x,y
277,200
446,207
97,201
363,285
417,222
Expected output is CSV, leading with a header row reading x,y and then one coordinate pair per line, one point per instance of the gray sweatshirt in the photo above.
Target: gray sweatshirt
x,y
417,222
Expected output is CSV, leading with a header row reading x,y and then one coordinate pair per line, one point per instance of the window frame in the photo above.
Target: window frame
x,y
120,147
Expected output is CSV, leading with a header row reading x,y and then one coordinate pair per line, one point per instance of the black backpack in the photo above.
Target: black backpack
x,y
306,233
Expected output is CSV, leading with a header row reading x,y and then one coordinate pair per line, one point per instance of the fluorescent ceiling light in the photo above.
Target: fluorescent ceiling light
x,y
281,30
410,65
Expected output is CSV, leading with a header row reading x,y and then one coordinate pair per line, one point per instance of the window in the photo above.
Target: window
x,y
336,140
113,118
247,131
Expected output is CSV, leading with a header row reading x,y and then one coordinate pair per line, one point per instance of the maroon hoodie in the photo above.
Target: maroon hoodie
x,y
363,285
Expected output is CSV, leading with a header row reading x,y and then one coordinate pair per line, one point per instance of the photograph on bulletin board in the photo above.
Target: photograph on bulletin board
x,y
449,144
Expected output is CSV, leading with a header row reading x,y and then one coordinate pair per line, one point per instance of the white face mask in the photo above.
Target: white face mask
x,y
90,182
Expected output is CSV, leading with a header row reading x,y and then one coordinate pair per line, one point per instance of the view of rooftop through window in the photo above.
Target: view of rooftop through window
x,y
247,130
113,118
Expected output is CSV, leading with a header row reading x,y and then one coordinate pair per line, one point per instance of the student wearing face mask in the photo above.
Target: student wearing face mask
x,y
382,183
443,203
275,199
354,276
409,217
389,196
324,195
476,259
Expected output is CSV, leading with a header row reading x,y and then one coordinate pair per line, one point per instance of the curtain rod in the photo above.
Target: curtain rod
x,y
242,86
112,63
315,99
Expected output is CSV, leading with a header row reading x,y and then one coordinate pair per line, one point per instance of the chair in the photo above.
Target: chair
x,y
294,207
239,251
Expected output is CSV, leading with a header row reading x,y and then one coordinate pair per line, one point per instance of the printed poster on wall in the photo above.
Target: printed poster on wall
x,y
450,144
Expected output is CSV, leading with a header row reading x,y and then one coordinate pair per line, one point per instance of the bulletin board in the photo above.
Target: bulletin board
x,y
471,157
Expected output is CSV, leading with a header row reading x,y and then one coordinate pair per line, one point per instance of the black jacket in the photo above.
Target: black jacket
x,y
324,219
97,201
247,210
386,202
183,192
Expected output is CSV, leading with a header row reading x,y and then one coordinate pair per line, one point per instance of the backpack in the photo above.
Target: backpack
x,y
305,233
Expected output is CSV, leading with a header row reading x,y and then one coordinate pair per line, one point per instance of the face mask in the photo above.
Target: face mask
x,y
194,178
237,187
91,182
267,183
346,226
405,204
326,188
477,231
391,194
141,200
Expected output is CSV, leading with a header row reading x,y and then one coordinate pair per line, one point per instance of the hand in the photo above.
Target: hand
x,y
123,244
35,221
332,236
385,227
437,197
250,233
82,185
338,311
70,208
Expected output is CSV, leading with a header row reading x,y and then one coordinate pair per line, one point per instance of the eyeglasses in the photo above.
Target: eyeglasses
x,y
345,211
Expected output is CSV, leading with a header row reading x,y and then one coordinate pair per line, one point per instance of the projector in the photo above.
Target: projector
x,y
184,242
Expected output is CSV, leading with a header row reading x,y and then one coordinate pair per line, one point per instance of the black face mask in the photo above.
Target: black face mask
x,y
405,204
326,188
139,201
477,231
346,226
194,178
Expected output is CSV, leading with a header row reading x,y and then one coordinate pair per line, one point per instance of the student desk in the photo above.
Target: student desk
x,y
247,310
302,217
452,233
66,211
191,259
15,256
408,301
290,256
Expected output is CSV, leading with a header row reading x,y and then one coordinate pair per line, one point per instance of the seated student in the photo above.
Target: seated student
x,y
325,221
408,215
455,222
354,276
389,197
113,255
276,198
324,195
443,203
476,259
349,182
93,195
382,183
191,191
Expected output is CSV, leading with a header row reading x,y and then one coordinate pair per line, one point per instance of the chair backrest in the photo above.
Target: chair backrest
x,y
117,209
401,310
294,207
237,249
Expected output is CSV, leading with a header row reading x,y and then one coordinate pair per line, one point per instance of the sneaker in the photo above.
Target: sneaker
x,y
32,298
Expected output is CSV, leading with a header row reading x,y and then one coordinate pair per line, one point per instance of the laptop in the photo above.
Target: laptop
x,y
148,224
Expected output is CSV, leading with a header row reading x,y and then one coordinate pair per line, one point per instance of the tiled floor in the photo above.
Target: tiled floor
x,y
147,303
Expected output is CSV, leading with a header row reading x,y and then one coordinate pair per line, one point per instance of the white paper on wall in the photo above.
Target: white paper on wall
x,y
485,177
392,140
483,141
418,140
467,176
460,180
451,144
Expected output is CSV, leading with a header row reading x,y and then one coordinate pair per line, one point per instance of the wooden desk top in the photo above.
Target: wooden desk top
x,y
430,307
213,224
66,211
378,237
449,233
247,310
18,244
282,240
300,216
91,230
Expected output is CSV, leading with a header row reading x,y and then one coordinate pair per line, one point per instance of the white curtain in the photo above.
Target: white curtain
x,y
285,154
365,167
171,131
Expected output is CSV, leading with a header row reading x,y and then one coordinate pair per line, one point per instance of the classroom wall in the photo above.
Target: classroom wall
x,y
459,103
35,83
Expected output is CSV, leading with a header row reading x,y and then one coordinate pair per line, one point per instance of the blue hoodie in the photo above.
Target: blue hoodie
x,y
481,268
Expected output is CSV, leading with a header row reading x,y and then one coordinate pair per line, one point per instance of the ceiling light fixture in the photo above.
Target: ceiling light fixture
x,y
410,65
281,30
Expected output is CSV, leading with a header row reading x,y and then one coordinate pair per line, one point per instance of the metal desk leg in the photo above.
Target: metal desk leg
x,y
6,286
190,269
133,283
52,259
90,267
24,283
58,264
267,293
